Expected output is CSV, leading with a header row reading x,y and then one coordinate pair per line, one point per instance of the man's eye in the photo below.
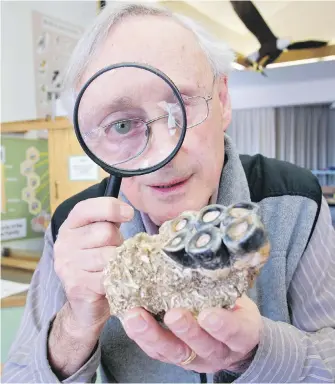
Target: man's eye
x,y
122,127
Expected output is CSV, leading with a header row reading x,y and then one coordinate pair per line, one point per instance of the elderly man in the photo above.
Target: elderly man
x,y
282,331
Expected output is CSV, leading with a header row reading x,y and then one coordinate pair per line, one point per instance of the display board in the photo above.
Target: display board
x,y
25,197
54,42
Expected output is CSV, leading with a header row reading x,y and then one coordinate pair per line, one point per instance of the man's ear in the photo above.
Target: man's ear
x,y
225,102
227,112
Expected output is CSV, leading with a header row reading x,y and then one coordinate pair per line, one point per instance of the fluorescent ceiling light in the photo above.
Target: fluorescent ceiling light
x,y
300,62
238,66
241,67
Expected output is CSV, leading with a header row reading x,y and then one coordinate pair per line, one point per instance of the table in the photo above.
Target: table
x,y
20,271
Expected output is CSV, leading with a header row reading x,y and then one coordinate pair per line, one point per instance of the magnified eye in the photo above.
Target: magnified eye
x,y
122,127
125,127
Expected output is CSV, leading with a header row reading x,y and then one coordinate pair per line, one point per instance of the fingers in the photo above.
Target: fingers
x,y
239,330
220,323
157,342
87,260
85,243
185,327
94,235
95,283
96,259
83,284
98,209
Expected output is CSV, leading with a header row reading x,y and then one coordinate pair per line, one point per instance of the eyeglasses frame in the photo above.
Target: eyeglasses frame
x,y
148,131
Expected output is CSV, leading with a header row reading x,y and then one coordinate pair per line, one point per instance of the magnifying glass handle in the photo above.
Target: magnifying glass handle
x,y
113,186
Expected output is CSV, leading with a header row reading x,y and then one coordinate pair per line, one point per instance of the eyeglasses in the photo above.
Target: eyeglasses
x,y
121,129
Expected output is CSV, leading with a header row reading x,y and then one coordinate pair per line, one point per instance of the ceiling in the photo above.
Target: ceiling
x,y
294,20
298,73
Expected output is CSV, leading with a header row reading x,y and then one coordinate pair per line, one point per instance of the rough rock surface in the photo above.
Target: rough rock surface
x,y
140,274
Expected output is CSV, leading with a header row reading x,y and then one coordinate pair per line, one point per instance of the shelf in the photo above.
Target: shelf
x,y
20,274
32,125
18,300
19,254
12,262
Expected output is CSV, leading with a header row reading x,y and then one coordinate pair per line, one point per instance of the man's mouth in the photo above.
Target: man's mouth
x,y
170,186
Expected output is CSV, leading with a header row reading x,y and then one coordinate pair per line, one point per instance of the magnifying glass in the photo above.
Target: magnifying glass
x,y
130,119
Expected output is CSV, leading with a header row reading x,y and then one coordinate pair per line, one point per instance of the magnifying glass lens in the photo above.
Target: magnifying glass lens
x,y
130,118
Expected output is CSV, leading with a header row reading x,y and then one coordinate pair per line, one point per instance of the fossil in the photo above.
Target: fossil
x,y
198,260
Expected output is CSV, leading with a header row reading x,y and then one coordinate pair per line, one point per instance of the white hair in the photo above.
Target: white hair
x,y
219,55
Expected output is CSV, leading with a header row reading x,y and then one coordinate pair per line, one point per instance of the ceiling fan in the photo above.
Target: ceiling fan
x,y
271,47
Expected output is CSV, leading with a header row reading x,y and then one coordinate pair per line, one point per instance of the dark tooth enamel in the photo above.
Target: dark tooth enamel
x,y
201,221
239,210
255,241
251,240
222,239
247,206
212,255
177,251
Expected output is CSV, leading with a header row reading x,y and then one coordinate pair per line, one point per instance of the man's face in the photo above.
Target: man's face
x,y
164,44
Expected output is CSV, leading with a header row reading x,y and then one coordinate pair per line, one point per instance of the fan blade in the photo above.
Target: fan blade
x,y
307,44
253,20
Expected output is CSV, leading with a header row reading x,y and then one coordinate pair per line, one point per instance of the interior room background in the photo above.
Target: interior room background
x,y
289,115
286,114
303,135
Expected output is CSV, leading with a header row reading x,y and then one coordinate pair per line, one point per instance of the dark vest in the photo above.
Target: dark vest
x,y
266,178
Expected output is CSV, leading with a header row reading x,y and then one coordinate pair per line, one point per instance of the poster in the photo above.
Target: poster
x,y
54,41
82,168
25,203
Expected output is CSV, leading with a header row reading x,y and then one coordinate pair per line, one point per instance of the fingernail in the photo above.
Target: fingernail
x,y
177,322
136,322
212,321
126,211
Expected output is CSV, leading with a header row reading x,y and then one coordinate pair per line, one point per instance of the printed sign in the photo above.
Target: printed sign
x,y
54,42
82,168
24,188
13,229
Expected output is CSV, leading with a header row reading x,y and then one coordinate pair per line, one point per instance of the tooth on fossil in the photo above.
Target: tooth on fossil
x,y
196,261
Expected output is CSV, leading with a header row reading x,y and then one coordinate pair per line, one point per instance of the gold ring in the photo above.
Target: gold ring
x,y
189,360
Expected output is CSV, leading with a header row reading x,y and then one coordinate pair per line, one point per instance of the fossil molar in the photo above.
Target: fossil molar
x,y
198,260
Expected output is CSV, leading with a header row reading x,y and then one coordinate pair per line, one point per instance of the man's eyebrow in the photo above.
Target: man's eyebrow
x,y
94,113
118,104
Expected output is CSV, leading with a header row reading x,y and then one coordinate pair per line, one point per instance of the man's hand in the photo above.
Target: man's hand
x,y
85,242
221,339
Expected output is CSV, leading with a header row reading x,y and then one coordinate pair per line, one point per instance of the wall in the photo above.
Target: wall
x,y
311,83
248,90
17,66
306,84
277,95
17,62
